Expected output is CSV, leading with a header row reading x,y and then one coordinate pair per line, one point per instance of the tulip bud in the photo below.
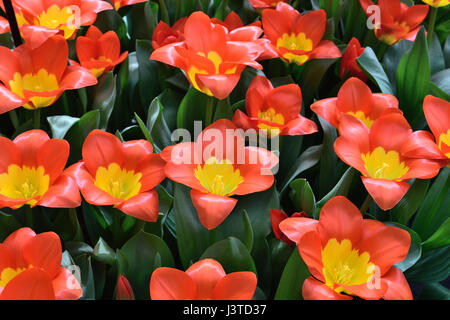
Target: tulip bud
x,y
124,290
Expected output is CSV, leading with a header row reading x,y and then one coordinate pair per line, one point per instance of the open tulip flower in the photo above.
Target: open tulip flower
x,y
122,175
377,154
99,52
422,143
40,19
30,268
165,34
31,172
36,78
264,4
204,280
218,169
122,3
298,37
349,66
213,62
348,255
398,21
356,99
437,3
276,110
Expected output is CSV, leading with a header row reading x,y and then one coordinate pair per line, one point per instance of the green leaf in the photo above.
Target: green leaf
x,y
232,254
341,188
104,98
437,61
442,80
433,266
291,282
434,291
440,238
87,276
409,204
434,209
368,61
302,196
60,125
328,158
157,125
415,250
192,108
8,224
392,58
140,253
149,84
104,253
411,88
248,231
223,110
192,236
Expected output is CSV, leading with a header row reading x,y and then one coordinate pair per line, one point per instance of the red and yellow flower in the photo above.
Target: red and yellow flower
x,y
437,3
298,37
40,19
31,172
218,168
204,280
118,174
349,66
36,78
278,216
437,145
30,268
99,52
398,21
122,3
356,99
164,34
213,62
377,154
276,110
264,4
348,255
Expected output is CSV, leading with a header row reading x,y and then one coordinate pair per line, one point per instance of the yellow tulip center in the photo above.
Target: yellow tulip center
x,y
343,265
216,59
384,165
218,177
444,143
295,42
58,18
99,71
39,82
362,116
437,3
24,183
7,274
118,182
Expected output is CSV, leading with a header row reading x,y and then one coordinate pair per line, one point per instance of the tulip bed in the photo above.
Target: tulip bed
x,y
224,149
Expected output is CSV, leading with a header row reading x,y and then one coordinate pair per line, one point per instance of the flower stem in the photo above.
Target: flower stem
x,y
11,16
329,6
366,204
14,119
209,110
37,118
164,12
431,24
29,216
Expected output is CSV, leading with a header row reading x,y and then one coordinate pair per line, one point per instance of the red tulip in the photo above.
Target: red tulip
x,y
349,65
213,62
378,155
30,268
422,143
164,34
40,19
348,255
36,78
276,110
298,38
218,169
356,99
99,52
122,3
398,21
204,280
264,4
276,217
124,290
31,172
123,175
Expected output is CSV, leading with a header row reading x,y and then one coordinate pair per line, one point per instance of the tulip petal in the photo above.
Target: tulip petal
x,y
135,151
327,109
31,284
300,126
28,143
296,228
310,249
421,168
206,274
172,284
421,144
398,287
325,50
9,100
219,84
354,96
437,112
44,251
76,77
144,206
53,155
236,286
63,193
316,290
386,193
212,209
66,286
152,169
9,155
389,132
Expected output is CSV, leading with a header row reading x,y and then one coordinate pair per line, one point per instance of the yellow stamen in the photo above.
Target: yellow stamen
x,y
24,183
7,274
343,265
295,42
362,116
384,165
218,177
118,182
444,143
58,18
